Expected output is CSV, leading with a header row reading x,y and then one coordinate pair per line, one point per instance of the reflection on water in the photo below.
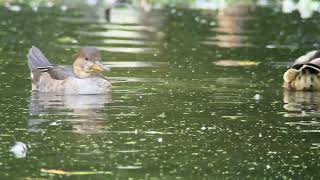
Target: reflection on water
x,y
82,111
230,31
300,102
306,107
129,31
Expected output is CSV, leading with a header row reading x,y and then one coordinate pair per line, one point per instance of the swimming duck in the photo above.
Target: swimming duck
x,y
304,74
83,77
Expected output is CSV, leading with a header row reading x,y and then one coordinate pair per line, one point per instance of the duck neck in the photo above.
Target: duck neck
x,y
80,72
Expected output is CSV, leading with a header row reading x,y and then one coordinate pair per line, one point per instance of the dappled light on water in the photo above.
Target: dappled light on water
x,y
196,94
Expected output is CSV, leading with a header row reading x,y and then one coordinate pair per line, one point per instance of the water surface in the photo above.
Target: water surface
x,y
196,95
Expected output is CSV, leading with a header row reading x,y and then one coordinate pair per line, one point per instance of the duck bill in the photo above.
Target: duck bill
x,y
98,67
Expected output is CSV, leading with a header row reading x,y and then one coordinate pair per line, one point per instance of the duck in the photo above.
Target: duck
x,y
84,76
304,73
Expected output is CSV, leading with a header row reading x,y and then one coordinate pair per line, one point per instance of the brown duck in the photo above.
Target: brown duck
x,y
83,77
304,74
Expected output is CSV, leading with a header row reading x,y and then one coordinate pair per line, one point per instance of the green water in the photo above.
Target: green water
x,y
177,108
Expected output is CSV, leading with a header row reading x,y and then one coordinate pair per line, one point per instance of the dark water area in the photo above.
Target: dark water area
x,y
196,95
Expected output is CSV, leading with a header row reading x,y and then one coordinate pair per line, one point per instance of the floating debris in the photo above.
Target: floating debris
x,y
159,140
257,97
19,149
236,63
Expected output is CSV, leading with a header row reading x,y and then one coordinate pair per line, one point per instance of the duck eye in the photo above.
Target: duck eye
x,y
86,59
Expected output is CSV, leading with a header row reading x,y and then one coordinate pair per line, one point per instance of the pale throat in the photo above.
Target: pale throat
x,y
80,72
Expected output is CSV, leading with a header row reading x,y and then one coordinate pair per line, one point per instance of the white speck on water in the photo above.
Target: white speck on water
x,y
272,152
19,149
260,135
64,8
54,123
270,46
162,115
257,97
34,6
203,128
212,23
159,140
268,166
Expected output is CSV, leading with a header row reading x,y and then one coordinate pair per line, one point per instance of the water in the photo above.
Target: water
x,y
196,95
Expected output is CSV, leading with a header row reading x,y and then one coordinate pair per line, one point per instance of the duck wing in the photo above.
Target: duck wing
x,y
306,59
60,73
39,64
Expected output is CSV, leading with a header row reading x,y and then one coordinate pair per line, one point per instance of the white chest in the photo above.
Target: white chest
x,y
72,85
92,85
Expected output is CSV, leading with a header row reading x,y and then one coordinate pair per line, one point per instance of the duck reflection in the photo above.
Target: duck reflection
x,y
83,112
300,102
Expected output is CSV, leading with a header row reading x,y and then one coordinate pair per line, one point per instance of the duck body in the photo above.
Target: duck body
x,y
304,74
58,79
72,85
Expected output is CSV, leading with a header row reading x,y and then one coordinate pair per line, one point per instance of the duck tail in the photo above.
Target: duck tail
x,y
37,61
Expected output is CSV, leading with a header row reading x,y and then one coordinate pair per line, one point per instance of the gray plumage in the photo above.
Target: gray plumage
x,y
37,60
38,64
311,57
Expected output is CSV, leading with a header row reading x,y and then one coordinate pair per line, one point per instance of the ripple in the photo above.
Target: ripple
x,y
81,20
230,62
126,27
231,80
136,50
135,64
315,146
225,44
311,131
308,103
134,79
129,167
40,101
123,132
129,151
114,34
157,132
127,42
228,30
304,123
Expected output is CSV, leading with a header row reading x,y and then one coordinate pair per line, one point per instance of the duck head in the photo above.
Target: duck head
x,y
87,63
307,78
